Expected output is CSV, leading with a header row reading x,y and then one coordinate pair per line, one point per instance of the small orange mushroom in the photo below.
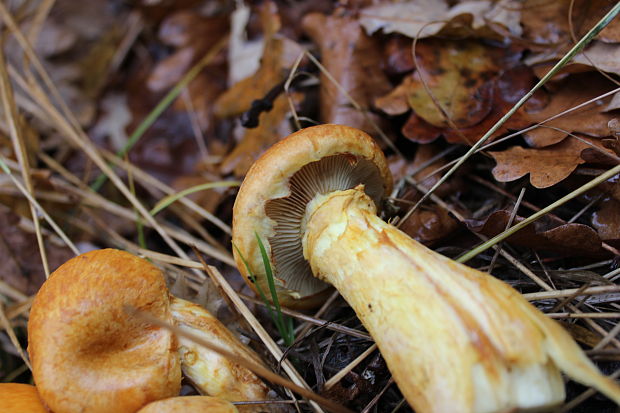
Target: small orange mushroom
x,y
20,398
87,354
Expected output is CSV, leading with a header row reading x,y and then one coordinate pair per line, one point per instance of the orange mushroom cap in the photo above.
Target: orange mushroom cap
x,y
87,353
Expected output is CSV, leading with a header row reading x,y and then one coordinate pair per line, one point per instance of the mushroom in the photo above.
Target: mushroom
x,y
86,353
189,404
455,339
20,398
212,373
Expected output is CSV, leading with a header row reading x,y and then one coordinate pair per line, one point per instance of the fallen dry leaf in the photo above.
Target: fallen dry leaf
x,y
271,128
279,55
193,35
546,22
567,238
546,166
425,18
20,259
602,56
507,90
353,59
457,75
590,120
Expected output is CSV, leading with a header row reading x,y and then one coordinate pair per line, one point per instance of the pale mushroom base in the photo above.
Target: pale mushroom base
x,y
455,339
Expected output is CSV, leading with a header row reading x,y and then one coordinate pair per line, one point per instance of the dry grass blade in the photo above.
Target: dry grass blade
x,y
19,147
271,345
255,368
6,325
338,376
546,295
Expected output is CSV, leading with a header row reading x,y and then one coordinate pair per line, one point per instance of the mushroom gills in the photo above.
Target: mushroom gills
x,y
338,172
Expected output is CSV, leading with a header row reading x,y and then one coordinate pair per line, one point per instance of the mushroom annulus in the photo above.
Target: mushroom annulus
x,y
455,339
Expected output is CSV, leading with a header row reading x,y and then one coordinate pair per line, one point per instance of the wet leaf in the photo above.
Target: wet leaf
x,y
567,238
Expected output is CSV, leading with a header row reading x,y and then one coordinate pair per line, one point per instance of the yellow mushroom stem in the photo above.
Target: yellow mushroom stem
x,y
455,339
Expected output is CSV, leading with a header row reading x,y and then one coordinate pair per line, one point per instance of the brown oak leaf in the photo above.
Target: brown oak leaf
x,y
546,166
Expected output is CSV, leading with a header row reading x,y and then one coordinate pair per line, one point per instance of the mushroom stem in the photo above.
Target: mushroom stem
x,y
455,339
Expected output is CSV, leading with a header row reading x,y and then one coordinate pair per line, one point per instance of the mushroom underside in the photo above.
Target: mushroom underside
x,y
333,173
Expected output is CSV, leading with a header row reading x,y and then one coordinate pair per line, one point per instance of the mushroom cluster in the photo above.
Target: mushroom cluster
x,y
454,338
89,355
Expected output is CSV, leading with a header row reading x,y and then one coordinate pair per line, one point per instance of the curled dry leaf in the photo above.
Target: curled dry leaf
x,y
353,59
546,166
461,77
457,75
279,55
567,238
425,18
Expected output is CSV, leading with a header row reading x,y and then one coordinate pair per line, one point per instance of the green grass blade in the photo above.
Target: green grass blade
x,y
170,199
162,106
286,333
252,277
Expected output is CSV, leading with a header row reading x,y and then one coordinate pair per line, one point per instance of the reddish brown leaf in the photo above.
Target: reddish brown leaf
x,y
590,120
507,90
567,238
353,60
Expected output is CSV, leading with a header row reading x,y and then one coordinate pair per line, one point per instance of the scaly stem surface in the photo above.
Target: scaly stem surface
x,y
455,339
